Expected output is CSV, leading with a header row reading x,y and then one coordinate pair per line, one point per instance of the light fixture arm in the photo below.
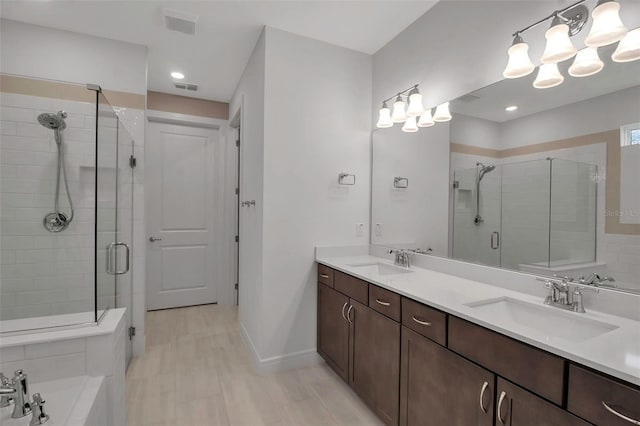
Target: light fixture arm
x,y
402,93
557,13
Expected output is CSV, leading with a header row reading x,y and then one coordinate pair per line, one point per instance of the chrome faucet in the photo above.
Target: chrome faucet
x,y
21,404
6,391
558,294
597,281
39,416
403,258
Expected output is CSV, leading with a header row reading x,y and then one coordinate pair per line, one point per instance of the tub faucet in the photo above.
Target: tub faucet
x,y
21,404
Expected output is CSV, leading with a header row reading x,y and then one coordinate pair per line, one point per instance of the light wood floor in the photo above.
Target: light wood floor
x,y
196,371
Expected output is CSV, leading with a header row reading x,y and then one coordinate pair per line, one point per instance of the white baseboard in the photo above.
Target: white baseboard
x,y
281,362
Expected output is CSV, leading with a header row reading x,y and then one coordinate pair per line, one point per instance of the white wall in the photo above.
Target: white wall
x,y
306,119
249,101
35,51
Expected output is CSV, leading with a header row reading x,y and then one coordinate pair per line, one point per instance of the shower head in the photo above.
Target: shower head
x,y
484,170
53,121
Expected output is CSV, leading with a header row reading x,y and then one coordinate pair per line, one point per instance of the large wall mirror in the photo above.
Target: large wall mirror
x,y
542,181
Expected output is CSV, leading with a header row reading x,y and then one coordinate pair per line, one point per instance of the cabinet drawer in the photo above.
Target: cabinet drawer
x,y
588,392
427,321
531,368
351,286
325,275
384,301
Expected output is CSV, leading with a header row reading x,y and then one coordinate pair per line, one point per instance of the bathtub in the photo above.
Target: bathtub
x,y
74,401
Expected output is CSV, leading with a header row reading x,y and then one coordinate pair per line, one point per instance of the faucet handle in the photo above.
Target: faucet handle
x,y
39,416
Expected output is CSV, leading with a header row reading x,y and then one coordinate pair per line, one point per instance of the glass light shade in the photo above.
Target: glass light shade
x,y
559,46
629,47
415,105
410,125
587,63
399,114
519,63
384,119
607,27
426,120
442,113
548,76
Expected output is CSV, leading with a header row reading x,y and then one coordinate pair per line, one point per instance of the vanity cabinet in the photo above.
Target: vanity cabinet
x,y
361,344
333,329
518,407
439,387
415,365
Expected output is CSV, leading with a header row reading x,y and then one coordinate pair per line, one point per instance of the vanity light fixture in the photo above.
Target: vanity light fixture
x,y
426,120
399,113
384,118
414,116
587,63
548,76
559,46
442,113
511,108
519,63
410,125
177,75
606,28
629,47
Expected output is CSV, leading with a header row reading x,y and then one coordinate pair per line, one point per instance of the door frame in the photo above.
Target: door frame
x,y
226,291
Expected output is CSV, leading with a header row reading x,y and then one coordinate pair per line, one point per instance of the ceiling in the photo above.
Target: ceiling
x,y
226,32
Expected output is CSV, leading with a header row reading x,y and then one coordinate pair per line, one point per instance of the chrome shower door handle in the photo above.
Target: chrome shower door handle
x,y
495,240
154,239
110,258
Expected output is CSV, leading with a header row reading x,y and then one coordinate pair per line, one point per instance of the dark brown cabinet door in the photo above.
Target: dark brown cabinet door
x,y
333,329
518,407
439,387
375,369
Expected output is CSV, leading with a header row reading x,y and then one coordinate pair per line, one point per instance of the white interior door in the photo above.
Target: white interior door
x,y
185,184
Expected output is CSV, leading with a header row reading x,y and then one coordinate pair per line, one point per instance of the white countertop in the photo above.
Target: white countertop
x,y
616,352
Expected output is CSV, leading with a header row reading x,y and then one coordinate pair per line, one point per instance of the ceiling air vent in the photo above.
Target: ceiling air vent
x,y
186,86
183,22
468,98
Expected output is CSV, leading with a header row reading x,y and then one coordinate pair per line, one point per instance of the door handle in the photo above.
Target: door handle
x,y
110,251
154,239
503,395
485,385
495,240
622,416
343,308
349,314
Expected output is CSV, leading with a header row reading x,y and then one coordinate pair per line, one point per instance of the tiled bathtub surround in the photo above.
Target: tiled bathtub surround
x,y
45,273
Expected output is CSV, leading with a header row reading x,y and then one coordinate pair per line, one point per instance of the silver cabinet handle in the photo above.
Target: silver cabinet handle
x,y
622,416
383,303
110,251
154,239
344,306
503,395
427,323
485,385
324,276
349,314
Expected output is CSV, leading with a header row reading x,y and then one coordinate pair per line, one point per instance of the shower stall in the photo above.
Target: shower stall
x,y
66,209
526,215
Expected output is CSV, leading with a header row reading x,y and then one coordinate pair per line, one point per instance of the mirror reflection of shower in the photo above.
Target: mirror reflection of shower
x,y
481,171
58,221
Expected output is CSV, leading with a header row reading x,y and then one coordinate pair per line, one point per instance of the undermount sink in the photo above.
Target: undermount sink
x,y
552,322
380,268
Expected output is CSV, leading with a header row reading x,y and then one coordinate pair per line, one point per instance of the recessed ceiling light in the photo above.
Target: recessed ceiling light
x,y
511,108
177,75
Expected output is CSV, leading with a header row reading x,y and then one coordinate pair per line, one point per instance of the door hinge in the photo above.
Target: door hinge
x,y
236,286
237,239
237,191
133,162
132,332
238,142
456,184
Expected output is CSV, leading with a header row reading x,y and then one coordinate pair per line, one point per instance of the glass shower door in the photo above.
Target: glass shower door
x,y
479,240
